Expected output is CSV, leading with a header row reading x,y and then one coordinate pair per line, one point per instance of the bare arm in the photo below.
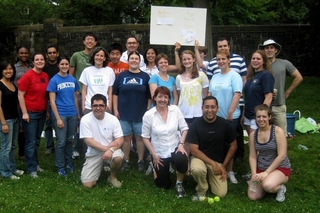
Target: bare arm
x,y
297,79
83,96
205,91
52,96
234,104
115,106
252,155
198,58
22,103
268,98
110,98
116,144
152,88
230,154
175,95
72,71
177,66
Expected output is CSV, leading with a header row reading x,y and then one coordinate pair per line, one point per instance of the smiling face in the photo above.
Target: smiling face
x,y
115,56
161,100
223,45
38,61
257,61
89,42
132,44
134,61
7,73
188,60
64,66
99,59
163,64
270,51
222,61
23,54
98,109
262,118
151,55
209,110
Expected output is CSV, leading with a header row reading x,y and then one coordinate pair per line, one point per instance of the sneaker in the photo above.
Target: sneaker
x,y
281,193
232,177
247,176
34,174
48,152
70,168
39,169
198,197
18,172
171,169
62,173
125,166
150,168
140,166
106,167
13,177
180,190
114,182
75,154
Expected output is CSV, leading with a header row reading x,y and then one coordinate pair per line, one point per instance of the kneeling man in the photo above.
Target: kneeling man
x,y
103,135
208,136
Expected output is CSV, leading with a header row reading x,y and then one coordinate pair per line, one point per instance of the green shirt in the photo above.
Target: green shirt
x,y
79,60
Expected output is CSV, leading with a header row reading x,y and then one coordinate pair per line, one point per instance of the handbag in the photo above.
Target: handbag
x,y
303,125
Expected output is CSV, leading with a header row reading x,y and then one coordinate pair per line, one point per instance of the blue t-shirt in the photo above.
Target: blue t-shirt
x,y
170,83
254,90
133,93
64,87
223,87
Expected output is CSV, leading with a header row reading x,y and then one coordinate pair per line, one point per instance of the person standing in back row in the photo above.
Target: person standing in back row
x,y
280,68
132,45
51,68
79,61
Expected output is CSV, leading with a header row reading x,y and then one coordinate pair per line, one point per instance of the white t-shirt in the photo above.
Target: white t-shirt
x,y
151,72
97,80
103,131
124,58
164,137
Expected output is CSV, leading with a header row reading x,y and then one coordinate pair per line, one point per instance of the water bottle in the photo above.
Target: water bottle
x,y
253,186
302,147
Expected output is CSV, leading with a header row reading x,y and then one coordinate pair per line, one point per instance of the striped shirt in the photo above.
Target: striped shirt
x,y
268,151
237,64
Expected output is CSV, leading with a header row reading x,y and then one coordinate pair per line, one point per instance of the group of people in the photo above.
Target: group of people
x,y
193,122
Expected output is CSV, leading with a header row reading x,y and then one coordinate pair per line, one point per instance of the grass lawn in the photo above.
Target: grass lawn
x,y
50,193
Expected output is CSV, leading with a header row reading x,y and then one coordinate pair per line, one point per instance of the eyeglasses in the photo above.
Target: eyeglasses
x,y
98,105
49,53
132,43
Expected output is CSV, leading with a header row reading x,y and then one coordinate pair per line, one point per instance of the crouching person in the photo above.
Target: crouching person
x,y
103,135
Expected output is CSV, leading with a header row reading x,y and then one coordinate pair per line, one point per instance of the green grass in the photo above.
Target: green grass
x,y
50,193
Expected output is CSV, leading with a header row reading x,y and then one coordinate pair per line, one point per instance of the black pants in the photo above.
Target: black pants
x,y
163,174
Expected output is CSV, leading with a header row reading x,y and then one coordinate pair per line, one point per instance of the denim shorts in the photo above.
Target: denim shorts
x,y
130,127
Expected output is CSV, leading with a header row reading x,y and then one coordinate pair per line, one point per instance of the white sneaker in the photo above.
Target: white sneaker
x,y
281,193
75,154
233,179
39,169
150,168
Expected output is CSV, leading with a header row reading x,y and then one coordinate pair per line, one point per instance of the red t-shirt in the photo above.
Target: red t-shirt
x,y
119,68
35,87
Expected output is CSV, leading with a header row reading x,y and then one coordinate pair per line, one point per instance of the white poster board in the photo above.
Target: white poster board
x,y
177,24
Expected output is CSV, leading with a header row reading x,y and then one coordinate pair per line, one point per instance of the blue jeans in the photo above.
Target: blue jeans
x,y
49,133
78,143
63,153
32,133
8,145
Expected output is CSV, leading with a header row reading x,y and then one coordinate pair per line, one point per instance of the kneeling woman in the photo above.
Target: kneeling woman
x,y
159,132
270,168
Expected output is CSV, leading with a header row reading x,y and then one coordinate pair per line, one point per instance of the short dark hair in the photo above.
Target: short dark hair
x,y
145,54
223,39
89,34
98,97
22,46
132,36
63,57
37,53
4,65
159,56
163,90
134,53
115,46
95,51
265,107
210,97
52,46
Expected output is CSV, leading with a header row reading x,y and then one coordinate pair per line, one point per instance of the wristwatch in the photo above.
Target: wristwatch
x,y
112,150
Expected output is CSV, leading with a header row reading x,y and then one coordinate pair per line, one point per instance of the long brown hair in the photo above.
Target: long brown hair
x,y
195,71
266,64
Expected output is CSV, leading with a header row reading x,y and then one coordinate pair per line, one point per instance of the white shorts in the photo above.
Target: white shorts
x,y
92,168
250,122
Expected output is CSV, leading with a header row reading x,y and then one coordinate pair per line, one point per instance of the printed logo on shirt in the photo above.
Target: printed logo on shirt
x,y
65,85
43,80
133,81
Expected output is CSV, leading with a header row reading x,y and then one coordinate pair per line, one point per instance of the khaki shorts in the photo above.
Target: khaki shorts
x,y
92,168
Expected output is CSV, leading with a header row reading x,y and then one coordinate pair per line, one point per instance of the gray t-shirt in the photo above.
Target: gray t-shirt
x,y
280,68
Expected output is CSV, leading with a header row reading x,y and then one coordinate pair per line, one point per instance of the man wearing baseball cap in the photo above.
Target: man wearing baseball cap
x,y
280,67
